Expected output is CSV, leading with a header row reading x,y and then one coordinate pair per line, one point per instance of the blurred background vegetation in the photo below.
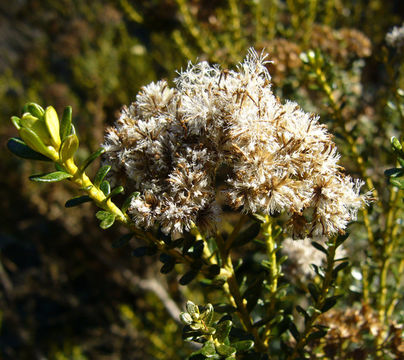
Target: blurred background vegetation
x,y
65,293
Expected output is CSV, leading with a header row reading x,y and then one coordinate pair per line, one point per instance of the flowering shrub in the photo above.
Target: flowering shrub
x,y
220,151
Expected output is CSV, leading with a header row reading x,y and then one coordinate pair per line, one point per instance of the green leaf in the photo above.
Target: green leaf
x,y
69,147
185,318
105,187
259,217
101,173
66,123
91,158
35,109
51,177
167,267
395,172
207,315
396,145
320,247
247,235
303,312
313,291
122,241
223,330
19,148
208,349
329,303
197,249
128,200
226,350
340,267
52,124
116,191
77,201
398,183
107,219
192,309
16,122
242,346
293,330
35,143
316,335
213,270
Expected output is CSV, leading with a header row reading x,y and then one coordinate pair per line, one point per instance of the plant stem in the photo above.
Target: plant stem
x,y
233,291
327,280
274,271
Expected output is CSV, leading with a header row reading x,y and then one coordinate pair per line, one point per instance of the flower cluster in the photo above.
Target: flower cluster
x,y
171,143
302,254
395,38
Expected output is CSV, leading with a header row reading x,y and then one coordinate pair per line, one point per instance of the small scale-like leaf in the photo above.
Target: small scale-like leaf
x,y
91,158
19,148
69,147
395,172
247,235
329,303
35,143
398,183
197,249
242,346
208,349
213,270
293,330
35,109
107,219
185,318
320,247
226,350
167,267
128,201
207,315
101,173
303,312
77,201
102,215
316,335
16,122
51,177
188,277
66,123
340,267
105,187
313,291
116,191
52,124
223,330
192,309
122,241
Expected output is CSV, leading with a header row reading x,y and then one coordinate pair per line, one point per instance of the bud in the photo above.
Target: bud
x,y
39,129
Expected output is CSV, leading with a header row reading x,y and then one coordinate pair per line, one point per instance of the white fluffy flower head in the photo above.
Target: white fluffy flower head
x,y
171,143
